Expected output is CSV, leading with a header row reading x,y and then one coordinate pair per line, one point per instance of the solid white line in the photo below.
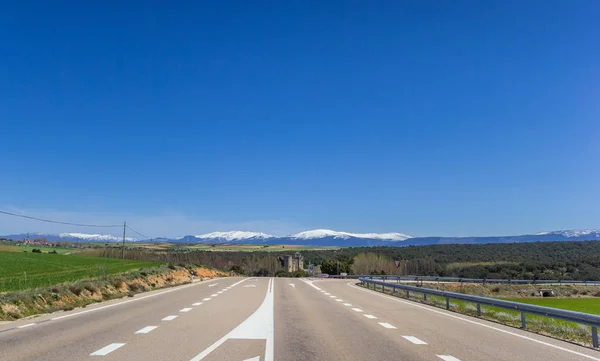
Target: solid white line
x,y
27,325
339,300
108,349
187,309
347,304
206,299
196,304
146,329
371,317
415,340
448,358
386,325
132,300
414,304
357,309
169,318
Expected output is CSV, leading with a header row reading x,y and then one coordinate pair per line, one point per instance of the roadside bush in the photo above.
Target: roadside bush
x,y
76,289
172,266
90,287
117,282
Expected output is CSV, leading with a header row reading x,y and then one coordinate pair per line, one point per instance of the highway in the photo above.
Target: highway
x,y
255,319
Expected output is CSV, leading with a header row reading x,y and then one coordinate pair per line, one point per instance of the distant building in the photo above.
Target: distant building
x,y
292,263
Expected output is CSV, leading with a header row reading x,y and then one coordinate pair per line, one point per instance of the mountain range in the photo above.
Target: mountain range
x,y
325,237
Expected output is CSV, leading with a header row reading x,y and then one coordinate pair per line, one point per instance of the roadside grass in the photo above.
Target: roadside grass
x,y
20,270
581,304
564,330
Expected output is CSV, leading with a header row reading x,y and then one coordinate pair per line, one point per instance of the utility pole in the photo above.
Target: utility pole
x,y
124,226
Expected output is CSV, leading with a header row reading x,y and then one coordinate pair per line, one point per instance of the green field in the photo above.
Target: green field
x,y
59,250
587,305
20,270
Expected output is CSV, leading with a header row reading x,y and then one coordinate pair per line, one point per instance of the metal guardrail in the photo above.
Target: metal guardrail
x,y
578,317
469,280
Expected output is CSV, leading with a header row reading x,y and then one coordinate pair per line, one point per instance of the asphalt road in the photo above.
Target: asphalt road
x,y
269,319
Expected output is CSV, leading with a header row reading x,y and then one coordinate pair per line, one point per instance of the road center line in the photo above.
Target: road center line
x,y
169,318
448,358
332,296
339,300
386,325
196,304
357,310
187,309
370,317
415,340
146,329
107,349
347,304
206,299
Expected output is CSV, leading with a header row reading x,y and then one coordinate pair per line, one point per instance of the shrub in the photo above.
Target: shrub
x,y
76,288
172,266
90,287
117,282
496,289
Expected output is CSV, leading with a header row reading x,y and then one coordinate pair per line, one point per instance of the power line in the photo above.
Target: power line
x,y
131,229
58,222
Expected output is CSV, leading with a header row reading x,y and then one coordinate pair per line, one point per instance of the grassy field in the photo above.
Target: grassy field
x,y
59,250
587,305
20,270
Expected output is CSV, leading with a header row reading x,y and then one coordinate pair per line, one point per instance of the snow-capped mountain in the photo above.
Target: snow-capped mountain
x,y
70,237
325,237
322,233
235,235
573,233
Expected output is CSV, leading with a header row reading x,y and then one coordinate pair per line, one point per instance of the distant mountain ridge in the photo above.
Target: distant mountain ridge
x,y
325,237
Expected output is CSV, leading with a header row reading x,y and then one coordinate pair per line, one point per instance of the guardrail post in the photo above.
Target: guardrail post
x,y
424,296
407,293
447,302
479,310
595,336
383,288
523,320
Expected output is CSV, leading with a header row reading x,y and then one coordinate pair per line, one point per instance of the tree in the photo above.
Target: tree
x,y
331,267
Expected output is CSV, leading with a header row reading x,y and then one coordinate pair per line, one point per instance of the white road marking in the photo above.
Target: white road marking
x,y
339,300
220,292
371,317
327,293
258,326
146,329
323,291
250,286
415,340
448,358
386,325
206,299
332,296
187,309
213,285
357,310
257,358
169,318
293,285
134,300
214,295
108,349
27,325
196,304
347,304
414,304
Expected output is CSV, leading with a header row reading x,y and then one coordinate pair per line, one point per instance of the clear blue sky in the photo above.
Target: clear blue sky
x,y
421,117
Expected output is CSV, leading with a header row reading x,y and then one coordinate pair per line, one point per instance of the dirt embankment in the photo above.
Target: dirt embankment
x,y
15,305
517,291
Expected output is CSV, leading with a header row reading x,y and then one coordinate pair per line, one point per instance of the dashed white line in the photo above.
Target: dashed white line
x,y
206,299
187,309
169,318
27,325
386,325
196,304
357,310
146,329
214,295
107,349
448,358
332,296
371,317
347,304
339,300
327,293
220,292
415,340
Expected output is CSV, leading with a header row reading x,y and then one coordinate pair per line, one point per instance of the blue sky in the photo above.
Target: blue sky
x,y
422,117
